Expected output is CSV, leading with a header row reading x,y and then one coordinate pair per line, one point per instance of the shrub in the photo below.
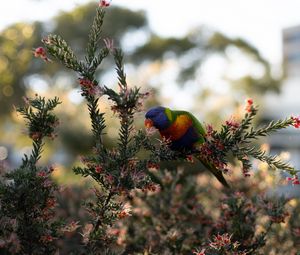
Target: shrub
x,y
27,194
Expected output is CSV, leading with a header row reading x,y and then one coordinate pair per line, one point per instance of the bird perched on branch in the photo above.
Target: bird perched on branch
x,y
184,132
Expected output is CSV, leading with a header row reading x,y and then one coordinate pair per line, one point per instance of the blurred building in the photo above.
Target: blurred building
x,y
291,51
287,103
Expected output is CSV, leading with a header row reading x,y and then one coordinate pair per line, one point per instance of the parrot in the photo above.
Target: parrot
x,y
183,130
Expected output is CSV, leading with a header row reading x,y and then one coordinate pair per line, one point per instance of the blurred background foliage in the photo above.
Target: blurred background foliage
x,y
166,65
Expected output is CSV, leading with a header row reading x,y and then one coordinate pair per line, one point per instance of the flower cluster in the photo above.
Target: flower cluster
x,y
178,218
90,88
221,241
236,137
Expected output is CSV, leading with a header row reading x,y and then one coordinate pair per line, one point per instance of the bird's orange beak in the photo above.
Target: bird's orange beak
x,y
148,123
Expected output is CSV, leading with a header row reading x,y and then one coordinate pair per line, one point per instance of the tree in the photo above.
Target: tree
x,y
17,67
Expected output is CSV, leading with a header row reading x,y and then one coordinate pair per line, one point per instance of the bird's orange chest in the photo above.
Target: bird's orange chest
x,y
178,128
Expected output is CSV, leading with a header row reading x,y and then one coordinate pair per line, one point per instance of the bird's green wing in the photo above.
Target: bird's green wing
x,y
197,124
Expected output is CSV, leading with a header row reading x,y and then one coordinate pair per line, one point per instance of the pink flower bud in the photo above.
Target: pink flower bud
x,y
249,105
104,3
98,169
40,52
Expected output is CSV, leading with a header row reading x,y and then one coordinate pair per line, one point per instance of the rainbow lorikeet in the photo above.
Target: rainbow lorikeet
x,y
183,130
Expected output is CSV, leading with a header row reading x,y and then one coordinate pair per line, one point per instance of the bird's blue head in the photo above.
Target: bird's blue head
x,y
158,117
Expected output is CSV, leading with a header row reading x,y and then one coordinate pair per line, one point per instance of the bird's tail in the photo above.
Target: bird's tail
x,y
216,172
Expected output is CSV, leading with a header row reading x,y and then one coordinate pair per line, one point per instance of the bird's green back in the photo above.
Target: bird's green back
x,y
196,123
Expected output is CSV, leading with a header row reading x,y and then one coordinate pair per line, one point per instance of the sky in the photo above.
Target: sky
x,y
260,22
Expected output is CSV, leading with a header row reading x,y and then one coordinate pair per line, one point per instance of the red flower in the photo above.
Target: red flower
x,y
150,187
232,124
90,87
190,158
98,169
36,136
51,202
46,238
219,145
205,151
40,52
202,252
153,166
104,3
47,214
295,180
123,214
296,123
86,83
249,105
209,130
249,101
42,174
220,241
219,164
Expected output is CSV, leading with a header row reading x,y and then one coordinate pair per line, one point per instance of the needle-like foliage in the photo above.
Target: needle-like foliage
x,y
27,194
